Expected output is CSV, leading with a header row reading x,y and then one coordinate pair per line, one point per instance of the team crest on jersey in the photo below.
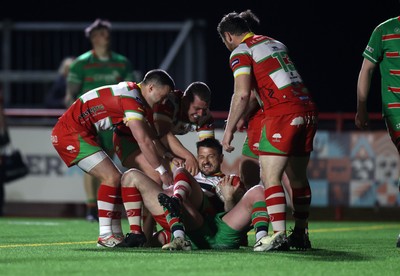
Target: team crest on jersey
x,y
276,137
234,62
71,148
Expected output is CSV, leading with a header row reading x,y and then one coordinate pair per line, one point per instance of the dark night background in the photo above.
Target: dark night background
x,y
325,38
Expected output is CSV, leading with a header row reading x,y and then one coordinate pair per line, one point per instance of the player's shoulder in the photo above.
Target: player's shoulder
x,y
82,59
389,24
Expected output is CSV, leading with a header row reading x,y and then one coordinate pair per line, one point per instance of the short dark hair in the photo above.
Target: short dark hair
x,y
210,143
232,23
160,77
96,25
252,20
199,89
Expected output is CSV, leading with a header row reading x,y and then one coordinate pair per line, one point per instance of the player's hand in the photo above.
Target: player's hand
x,y
241,125
178,162
191,165
226,188
362,120
166,179
226,141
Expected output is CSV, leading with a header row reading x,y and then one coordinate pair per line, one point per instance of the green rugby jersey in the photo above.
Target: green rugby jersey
x,y
91,72
384,49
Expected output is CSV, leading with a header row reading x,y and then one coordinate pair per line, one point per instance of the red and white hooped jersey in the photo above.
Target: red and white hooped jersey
x,y
279,85
101,108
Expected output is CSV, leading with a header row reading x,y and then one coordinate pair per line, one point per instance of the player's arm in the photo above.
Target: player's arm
x,y
239,102
143,135
179,150
251,109
363,88
165,153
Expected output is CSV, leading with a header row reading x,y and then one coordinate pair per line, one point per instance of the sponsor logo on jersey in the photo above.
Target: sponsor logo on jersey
x,y
91,111
369,49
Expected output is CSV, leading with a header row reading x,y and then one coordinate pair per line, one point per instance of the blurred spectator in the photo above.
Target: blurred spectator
x,y
55,97
97,67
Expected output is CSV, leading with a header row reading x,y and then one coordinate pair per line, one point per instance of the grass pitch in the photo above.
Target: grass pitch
x,y
34,246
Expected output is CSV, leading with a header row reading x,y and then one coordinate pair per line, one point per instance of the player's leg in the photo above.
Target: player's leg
x,y
296,172
186,188
91,159
272,168
91,198
251,209
137,160
139,191
391,125
174,210
100,166
92,184
128,152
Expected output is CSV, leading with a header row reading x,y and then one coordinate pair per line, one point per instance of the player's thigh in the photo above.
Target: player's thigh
x,y
393,127
102,167
272,168
148,189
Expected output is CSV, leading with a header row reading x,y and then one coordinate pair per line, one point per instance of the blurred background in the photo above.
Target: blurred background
x,y
349,168
325,39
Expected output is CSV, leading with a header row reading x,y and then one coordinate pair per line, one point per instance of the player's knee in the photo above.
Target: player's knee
x,y
130,178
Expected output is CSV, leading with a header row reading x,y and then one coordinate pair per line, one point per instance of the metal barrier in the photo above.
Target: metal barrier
x,y
32,51
327,121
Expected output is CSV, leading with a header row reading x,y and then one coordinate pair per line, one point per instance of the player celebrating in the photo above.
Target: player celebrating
x,y
187,193
75,138
208,180
288,127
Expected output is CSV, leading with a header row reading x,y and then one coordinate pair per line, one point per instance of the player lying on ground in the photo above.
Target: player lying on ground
x,y
209,159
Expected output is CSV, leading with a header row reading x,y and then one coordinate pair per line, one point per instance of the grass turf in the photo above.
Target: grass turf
x,y
34,246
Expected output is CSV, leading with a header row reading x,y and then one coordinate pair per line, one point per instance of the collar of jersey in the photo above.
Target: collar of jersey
x,y
250,34
220,174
